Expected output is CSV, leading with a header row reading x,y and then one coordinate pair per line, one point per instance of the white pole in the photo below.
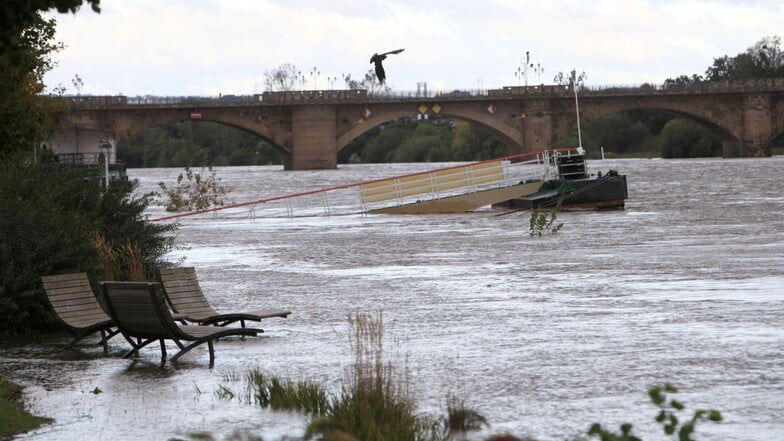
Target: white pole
x,y
106,167
577,107
105,146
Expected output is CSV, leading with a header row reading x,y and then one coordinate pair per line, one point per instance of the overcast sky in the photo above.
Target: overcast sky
x,y
207,47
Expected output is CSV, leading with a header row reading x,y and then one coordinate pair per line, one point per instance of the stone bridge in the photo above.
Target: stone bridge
x,y
311,127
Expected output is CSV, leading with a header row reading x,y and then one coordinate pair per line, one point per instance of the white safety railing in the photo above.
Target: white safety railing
x,y
367,196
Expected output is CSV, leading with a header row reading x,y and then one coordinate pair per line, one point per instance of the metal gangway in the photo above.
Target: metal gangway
x,y
376,196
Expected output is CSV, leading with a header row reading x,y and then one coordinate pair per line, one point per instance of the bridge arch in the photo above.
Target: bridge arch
x,y
273,127
722,119
508,133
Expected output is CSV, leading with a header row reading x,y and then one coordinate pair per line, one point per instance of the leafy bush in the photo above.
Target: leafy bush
x,y
682,138
542,224
50,215
196,193
667,417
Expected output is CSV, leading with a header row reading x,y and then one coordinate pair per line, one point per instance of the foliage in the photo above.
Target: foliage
x,y
286,77
616,132
570,78
461,418
272,392
50,213
13,418
541,224
369,83
26,42
198,193
17,15
642,133
667,417
763,60
26,117
682,81
373,405
283,78
196,143
683,138
118,262
434,140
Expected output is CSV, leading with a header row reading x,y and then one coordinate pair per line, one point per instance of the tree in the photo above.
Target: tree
x,y
683,138
682,81
283,78
763,60
25,116
369,83
570,78
50,212
18,15
767,54
26,42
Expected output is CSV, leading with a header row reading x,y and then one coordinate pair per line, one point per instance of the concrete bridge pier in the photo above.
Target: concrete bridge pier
x,y
537,126
757,127
314,138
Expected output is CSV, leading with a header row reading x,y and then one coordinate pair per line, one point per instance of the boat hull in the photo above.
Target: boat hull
x,y
594,193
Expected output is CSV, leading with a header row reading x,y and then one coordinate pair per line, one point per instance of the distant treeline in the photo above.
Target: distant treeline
x,y
194,144
201,143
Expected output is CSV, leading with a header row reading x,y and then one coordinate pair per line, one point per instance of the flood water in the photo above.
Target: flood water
x,y
544,336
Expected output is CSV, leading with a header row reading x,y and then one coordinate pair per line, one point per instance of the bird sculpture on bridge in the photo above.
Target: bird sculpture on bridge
x,y
377,59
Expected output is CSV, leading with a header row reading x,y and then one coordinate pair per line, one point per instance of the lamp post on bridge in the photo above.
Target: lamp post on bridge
x,y
314,75
538,70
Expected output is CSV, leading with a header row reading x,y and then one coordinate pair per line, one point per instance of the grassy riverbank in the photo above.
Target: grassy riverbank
x,y
13,418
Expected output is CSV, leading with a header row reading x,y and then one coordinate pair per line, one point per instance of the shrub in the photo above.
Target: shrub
x,y
542,224
49,220
196,193
667,417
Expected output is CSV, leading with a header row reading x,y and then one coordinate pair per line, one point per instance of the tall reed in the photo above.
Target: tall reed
x,y
374,403
123,262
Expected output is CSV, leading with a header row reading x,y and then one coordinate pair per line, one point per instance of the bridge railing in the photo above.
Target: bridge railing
x,y
360,95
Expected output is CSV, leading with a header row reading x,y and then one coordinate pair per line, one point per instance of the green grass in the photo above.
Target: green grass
x,y
778,150
13,419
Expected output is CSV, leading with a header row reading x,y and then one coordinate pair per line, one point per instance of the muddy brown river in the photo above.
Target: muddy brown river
x,y
544,336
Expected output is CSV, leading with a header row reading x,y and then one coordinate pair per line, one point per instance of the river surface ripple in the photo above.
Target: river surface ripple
x,y
543,336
